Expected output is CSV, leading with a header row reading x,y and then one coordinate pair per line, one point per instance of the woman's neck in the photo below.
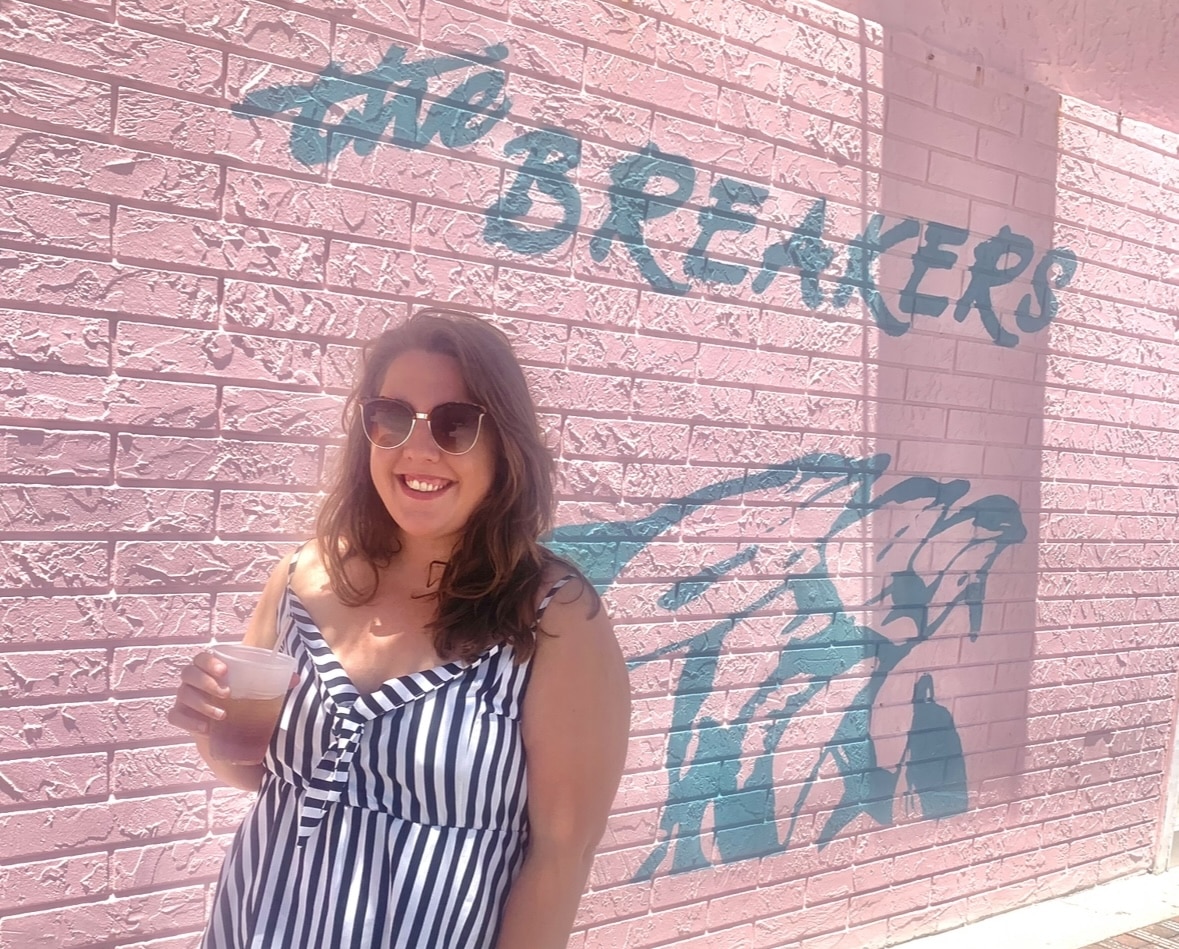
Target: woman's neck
x,y
420,563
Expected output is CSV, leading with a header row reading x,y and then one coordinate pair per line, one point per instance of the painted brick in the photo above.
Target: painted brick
x,y
702,54
394,272
44,281
166,458
166,350
595,22
529,50
44,159
287,414
64,39
44,780
991,183
171,767
29,885
300,311
193,565
42,566
44,95
33,675
980,105
287,34
157,865
27,217
617,75
230,248
51,341
199,129
86,619
262,513
167,426
539,103
64,510
35,454
34,396
74,927
58,729
269,199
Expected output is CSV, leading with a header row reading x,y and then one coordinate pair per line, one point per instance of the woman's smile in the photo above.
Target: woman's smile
x,y
415,485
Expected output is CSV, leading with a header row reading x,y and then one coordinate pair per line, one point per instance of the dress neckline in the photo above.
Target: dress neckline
x,y
335,677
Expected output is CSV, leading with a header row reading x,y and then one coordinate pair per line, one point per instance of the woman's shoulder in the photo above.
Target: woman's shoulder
x,y
562,584
571,608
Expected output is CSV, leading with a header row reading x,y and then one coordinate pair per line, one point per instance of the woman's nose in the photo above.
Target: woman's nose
x,y
420,441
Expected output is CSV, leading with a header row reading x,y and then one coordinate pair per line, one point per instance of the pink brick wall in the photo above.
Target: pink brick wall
x,y
890,543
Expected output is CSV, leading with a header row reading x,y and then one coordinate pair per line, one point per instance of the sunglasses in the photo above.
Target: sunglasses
x,y
454,426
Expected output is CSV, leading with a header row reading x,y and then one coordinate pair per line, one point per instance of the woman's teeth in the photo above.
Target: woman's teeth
x,y
424,485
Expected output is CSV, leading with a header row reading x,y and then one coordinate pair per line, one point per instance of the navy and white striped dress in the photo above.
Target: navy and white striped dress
x,y
396,819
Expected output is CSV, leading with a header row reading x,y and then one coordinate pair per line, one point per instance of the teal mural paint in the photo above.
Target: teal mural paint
x,y
723,803
648,185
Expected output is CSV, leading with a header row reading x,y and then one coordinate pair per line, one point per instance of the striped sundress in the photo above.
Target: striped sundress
x,y
395,819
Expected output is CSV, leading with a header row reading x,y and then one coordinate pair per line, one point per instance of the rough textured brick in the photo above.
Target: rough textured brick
x,y
85,619
284,33
32,675
254,513
34,454
159,769
44,281
66,778
530,50
157,865
596,22
62,38
74,927
167,350
182,458
48,96
171,567
606,73
65,510
29,566
398,273
291,415
52,341
267,198
45,159
27,217
232,248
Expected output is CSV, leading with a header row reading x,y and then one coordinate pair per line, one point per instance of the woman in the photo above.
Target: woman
x,y
445,763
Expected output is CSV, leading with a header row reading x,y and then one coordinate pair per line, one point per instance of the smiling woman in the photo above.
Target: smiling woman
x,y
443,765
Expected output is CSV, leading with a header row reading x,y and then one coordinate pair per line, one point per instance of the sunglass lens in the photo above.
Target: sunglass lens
x,y
387,423
455,426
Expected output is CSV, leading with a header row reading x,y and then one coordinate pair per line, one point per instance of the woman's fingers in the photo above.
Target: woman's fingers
x,y
197,699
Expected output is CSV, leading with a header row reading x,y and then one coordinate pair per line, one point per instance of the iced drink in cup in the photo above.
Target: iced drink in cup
x,y
258,680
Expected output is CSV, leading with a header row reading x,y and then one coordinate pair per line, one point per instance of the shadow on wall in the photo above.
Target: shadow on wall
x,y
960,385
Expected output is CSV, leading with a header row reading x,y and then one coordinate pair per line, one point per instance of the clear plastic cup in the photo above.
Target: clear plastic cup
x,y
258,680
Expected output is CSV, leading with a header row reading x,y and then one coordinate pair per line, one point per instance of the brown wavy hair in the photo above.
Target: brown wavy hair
x,y
489,588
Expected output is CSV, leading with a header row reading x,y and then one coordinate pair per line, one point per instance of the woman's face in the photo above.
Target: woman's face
x,y
429,493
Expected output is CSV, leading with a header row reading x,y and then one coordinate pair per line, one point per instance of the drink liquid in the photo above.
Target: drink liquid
x,y
243,735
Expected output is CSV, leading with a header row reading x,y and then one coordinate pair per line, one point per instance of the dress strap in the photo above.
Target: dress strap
x,y
548,597
294,561
284,601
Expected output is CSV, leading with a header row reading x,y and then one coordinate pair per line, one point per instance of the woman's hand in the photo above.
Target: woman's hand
x,y
202,685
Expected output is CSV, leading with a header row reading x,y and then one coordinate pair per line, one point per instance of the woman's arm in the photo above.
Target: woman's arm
x,y
575,723
202,684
